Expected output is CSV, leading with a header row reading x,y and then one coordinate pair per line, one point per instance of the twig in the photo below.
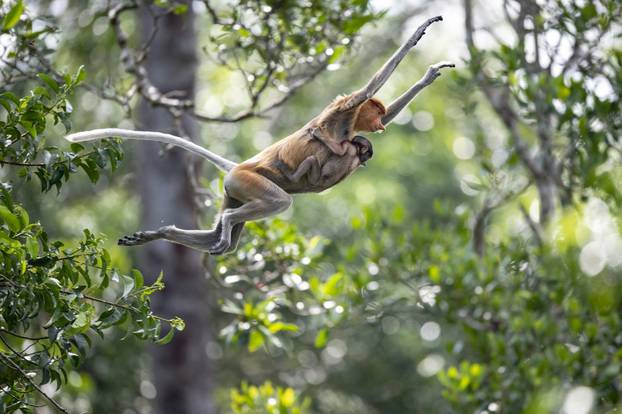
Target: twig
x,y
22,164
479,225
535,228
30,338
17,353
117,305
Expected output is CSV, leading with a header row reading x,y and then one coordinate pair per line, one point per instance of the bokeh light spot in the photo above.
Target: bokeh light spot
x,y
463,148
579,400
430,331
423,120
430,365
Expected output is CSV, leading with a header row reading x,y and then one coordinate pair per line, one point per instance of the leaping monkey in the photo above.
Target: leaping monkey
x,y
316,157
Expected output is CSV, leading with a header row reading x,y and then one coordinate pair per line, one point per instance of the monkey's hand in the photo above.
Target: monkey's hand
x,y
335,144
364,148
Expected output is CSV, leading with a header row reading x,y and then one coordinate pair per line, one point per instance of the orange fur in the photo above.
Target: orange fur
x,y
333,126
370,115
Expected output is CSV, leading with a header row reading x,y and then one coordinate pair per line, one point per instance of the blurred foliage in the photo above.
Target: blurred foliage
x,y
529,319
266,398
274,43
537,309
374,302
56,296
272,286
560,103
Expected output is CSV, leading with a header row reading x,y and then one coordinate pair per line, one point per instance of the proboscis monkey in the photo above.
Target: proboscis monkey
x,y
314,158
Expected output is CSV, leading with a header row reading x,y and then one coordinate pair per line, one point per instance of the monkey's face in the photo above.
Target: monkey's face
x,y
370,116
364,148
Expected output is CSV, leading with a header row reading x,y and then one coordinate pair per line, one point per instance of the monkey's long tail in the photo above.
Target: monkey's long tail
x,y
95,134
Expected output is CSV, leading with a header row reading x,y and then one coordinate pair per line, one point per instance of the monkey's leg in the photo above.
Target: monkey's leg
x,y
310,165
197,239
261,197
236,233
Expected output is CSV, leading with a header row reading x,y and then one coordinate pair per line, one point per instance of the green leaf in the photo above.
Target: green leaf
x,y
80,75
49,81
281,326
334,284
10,96
288,398
81,343
82,322
178,323
90,168
53,283
139,281
337,52
3,349
166,338
12,17
41,91
255,341
128,285
5,103
321,338
22,216
589,11
230,307
435,274
180,9
75,147
10,219
112,317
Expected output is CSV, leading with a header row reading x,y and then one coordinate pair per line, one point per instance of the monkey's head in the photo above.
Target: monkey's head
x,y
364,148
370,115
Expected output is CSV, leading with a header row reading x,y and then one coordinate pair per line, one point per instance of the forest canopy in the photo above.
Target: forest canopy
x,y
472,266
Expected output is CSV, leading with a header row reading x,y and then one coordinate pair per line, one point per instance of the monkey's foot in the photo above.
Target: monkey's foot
x,y
219,248
138,238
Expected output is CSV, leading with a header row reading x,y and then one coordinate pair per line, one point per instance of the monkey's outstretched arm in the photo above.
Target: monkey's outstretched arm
x,y
397,105
96,134
387,69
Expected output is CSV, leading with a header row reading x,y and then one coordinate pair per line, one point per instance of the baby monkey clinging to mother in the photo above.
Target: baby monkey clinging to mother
x,y
316,157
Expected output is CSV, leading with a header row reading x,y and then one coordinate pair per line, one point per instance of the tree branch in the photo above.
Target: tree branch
x,y
152,94
30,338
498,98
479,224
22,164
535,228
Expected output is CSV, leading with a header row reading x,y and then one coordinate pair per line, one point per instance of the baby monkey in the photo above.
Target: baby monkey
x,y
331,169
320,170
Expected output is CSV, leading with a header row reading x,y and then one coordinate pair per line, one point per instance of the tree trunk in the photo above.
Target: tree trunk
x,y
547,194
181,370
